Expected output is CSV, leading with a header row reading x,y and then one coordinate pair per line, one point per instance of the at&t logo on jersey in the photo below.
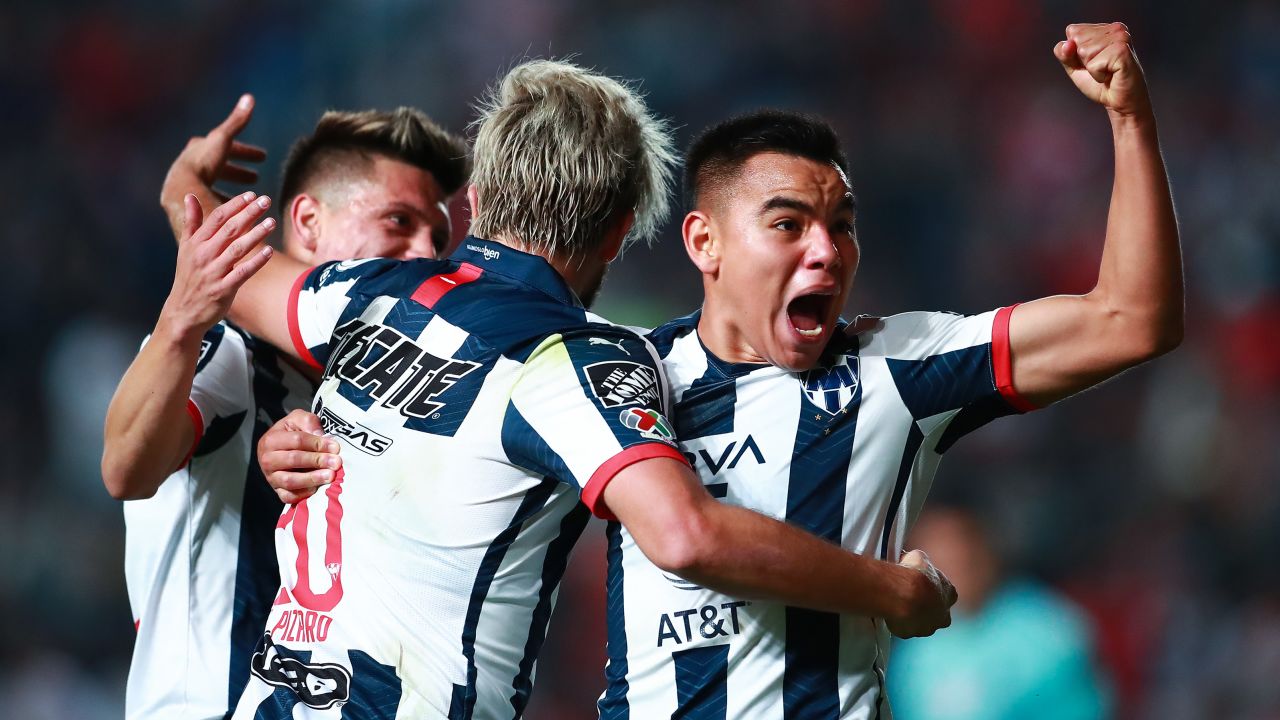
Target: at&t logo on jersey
x,y
402,376
707,622
317,685
832,388
650,423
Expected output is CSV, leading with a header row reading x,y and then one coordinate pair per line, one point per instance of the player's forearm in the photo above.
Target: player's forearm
x,y
749,555
1140,278
148,431
262,304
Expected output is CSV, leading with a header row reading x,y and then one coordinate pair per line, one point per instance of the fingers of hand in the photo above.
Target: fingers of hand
x,y
299,482
241,222
1067,53
246,152
308,422
235,122
289,497
193,214
292,459
237,174
224,212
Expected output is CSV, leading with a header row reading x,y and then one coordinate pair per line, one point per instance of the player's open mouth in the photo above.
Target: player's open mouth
x,y
807,313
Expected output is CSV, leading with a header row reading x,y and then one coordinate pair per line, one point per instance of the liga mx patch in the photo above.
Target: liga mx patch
x,y
618,383
650,423
832,388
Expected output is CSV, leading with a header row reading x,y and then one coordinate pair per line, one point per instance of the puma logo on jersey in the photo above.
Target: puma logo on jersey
x,y
613,343
393,369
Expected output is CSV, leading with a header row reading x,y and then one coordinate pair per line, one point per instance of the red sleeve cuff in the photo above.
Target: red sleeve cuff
x,y
1002,361
593,493
295,332
197,426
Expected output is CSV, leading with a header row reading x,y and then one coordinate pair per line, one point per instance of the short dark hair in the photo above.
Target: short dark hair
x,y
404,134
721,150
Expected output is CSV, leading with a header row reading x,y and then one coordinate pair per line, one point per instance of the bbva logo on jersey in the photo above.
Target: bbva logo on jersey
x,y
834,387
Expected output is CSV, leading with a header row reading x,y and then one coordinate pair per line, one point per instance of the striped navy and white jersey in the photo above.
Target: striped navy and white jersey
x,y
200,561
477,402
848,452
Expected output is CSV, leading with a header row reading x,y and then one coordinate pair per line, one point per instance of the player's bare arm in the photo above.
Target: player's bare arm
x,y
683,530
1064,344
147,432
209,159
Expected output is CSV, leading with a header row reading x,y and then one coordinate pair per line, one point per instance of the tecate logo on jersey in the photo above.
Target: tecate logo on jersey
x,y
405,376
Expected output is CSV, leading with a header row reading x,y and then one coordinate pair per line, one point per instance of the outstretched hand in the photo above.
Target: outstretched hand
x,y
1100,60
215,257
209,159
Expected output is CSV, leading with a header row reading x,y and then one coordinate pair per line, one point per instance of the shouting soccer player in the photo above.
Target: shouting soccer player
x,y
199,559
481,401
839,429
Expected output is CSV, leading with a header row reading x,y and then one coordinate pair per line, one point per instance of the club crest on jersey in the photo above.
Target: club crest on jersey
x,y
618,383
832,388
393,368
650,423
317,685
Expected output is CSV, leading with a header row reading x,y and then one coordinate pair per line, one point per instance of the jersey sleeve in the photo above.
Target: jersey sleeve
x,y
220,388
587,405
319,298
947,363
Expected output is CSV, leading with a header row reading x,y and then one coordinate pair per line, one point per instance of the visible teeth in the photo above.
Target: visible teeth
x,y
810,333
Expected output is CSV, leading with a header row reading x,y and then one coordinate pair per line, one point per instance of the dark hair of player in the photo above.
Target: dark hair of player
x,y
404,134
720,151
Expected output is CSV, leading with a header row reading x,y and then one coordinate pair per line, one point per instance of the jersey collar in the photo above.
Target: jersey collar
x,y
527,269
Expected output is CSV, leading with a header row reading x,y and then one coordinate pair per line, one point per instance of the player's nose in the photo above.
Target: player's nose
x,y
821,252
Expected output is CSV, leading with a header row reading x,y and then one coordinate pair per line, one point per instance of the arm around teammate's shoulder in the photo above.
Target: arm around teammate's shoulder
x,y
683,530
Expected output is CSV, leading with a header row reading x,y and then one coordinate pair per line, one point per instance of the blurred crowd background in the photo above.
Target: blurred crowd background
x,y
1117,553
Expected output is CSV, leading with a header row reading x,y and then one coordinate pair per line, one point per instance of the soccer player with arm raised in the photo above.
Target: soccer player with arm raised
x,y
839,428
199,558
481,401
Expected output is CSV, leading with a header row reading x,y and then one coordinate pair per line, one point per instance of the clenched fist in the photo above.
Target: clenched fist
x,y
1099,59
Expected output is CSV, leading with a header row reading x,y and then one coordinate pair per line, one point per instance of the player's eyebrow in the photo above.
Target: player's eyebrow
x,y
779,202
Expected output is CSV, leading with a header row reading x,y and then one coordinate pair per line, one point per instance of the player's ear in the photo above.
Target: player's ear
x,y
700,242
614,235
473,200
304,217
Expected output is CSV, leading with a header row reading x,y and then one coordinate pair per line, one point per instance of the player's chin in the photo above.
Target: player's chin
x,y
797,350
